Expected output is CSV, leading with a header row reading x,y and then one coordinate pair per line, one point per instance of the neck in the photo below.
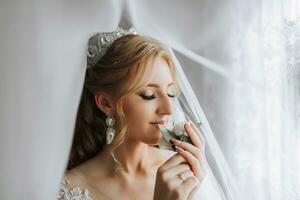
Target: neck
x,y
135,158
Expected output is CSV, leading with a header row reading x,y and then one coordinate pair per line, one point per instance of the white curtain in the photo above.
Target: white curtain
x,y
242,58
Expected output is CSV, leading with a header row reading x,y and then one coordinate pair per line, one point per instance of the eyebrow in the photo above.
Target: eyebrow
x,y
157,86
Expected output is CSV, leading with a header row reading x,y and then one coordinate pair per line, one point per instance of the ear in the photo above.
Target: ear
x,y
105,103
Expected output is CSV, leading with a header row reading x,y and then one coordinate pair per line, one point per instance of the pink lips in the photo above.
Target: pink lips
x,y
164,123
156,125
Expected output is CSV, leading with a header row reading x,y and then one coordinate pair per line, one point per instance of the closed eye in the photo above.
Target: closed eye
x,y
153,96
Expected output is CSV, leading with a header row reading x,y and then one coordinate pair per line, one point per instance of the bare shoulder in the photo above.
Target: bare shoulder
x,y
74,181
73,187
75,178
78,176
77,182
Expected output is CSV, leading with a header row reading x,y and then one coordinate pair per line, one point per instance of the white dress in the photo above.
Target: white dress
x,y
72,193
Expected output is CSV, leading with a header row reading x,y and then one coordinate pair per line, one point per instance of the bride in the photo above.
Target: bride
x,y
129,89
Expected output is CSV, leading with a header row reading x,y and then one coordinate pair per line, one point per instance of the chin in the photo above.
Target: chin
x,y
156,138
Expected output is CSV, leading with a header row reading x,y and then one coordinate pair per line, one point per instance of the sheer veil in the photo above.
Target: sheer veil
x,y
219,182
43,62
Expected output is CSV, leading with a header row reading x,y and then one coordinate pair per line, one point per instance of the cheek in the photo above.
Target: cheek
x,y
139,115
135,112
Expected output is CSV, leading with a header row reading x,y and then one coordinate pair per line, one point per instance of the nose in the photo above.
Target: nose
x,y
166,106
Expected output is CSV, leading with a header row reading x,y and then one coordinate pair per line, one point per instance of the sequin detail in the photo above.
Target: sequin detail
x,y
72,193
99,43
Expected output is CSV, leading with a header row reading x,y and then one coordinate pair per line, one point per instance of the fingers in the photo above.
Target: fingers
x,y
173,161
174,171
193,154
193,161
186,174
190,185
189,147
193,193
198,132
179,175
198,153
193,135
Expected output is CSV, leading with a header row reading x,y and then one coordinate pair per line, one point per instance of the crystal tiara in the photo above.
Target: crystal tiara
x,y
100,42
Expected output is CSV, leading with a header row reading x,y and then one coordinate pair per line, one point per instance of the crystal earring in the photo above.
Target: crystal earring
x,y
110,131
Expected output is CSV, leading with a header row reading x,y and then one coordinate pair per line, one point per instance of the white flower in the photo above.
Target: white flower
x,y
178,128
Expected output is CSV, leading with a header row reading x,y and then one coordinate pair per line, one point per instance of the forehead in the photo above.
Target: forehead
x,y
161,74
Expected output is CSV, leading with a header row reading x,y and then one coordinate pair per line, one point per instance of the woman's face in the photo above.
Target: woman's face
x,y
150,105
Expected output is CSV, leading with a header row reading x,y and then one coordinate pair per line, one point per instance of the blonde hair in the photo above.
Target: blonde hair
x,y
121,71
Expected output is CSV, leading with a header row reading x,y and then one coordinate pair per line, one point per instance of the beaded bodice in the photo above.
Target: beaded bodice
x,y
76,193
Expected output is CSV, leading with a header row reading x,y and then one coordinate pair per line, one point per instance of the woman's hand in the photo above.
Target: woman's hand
x,y
168,185
194,154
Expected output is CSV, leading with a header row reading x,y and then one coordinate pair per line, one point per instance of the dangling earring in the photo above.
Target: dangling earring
x,y
110,131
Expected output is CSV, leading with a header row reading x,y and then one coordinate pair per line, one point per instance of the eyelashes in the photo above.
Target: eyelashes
x,y
153,96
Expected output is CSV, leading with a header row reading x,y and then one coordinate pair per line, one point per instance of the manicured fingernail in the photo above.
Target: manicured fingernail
x,y
179,149
174,147
174,141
